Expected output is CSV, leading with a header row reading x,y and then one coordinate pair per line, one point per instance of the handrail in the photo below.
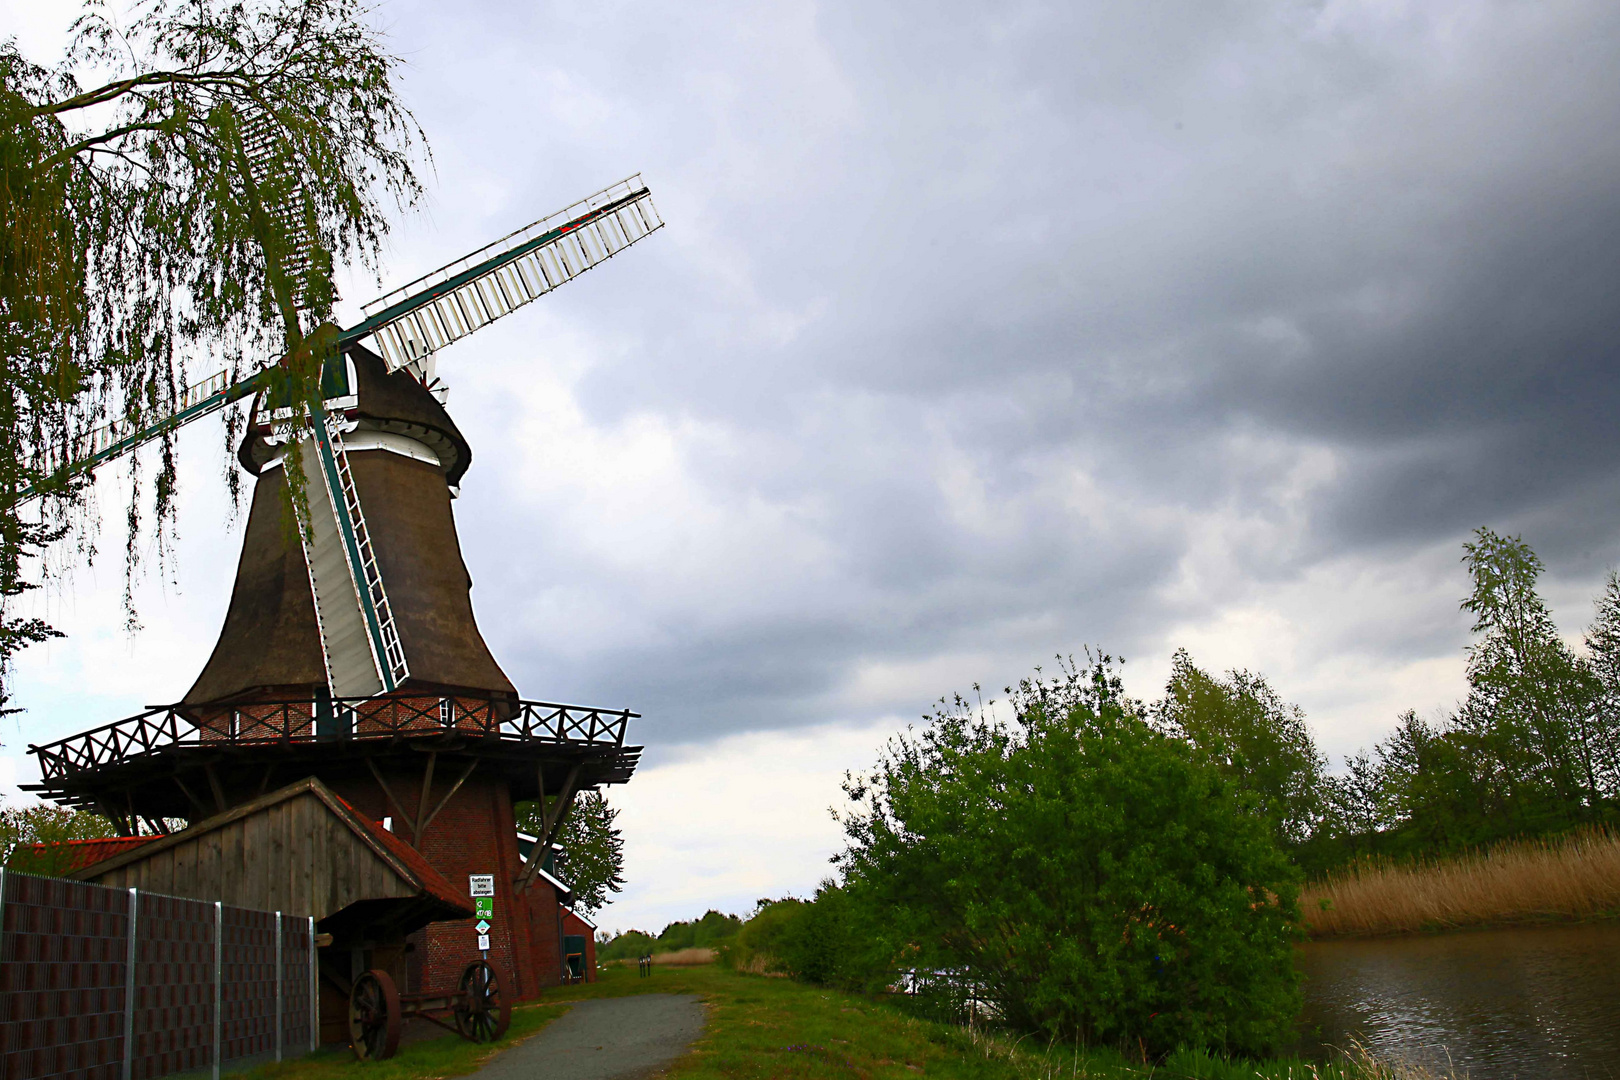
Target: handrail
x,y
311,720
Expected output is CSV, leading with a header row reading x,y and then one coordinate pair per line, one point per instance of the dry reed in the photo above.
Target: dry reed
x,y
1565,877
684,957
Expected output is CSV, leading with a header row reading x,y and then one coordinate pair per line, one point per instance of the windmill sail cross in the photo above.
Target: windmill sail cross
x,y
414,321
437,309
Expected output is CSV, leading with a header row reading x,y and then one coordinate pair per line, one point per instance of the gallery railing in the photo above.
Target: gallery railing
x,y
310,720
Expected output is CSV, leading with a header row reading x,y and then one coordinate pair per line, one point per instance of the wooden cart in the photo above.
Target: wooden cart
x,y
377,1010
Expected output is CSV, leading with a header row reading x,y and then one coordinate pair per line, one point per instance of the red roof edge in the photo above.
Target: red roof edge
x,y
66,856
431,880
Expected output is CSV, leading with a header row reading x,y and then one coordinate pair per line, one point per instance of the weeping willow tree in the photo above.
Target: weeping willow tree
x,y
182,208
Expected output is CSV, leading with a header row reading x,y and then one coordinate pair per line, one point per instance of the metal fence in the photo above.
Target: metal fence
x,y
98,983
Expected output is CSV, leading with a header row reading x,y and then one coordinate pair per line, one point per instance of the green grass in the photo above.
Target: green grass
x,y
431,1058
771,1027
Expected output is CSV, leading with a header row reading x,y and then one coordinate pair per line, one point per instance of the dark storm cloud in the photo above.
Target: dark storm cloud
x,y
1009,310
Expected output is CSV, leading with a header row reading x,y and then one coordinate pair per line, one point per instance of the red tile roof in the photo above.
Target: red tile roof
x,y
428,879
77,854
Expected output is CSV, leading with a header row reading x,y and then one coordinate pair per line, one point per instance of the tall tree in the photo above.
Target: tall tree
x,y
592,858
1600,737
1245,728
187,205
1529,697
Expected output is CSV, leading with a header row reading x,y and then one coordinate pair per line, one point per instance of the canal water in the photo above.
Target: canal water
x,y
1541,1001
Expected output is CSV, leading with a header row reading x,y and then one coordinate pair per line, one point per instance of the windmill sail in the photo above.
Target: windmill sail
x,y
442,307
414,321
117,437
359,640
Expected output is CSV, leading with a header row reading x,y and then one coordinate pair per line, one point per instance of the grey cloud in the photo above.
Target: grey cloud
x,y
1120,265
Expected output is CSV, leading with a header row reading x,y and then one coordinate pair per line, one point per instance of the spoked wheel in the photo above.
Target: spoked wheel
x,y
374,1016
480,1014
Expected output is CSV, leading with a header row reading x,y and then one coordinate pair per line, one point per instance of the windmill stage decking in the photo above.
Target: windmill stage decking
x,y
179,761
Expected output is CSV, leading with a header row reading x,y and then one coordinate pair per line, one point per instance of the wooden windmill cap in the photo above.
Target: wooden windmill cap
x,y
394,403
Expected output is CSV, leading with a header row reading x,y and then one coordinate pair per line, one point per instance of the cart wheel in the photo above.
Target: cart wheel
x,y
374,1016
480,1014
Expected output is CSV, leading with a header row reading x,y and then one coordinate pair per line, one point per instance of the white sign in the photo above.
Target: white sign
x,y
482,927
481,884
483,942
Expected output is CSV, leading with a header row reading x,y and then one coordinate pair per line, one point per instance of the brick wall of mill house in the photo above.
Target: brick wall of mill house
x,y
474,834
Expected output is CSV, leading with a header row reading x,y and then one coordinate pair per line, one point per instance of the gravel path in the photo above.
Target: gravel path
x,y
605,1039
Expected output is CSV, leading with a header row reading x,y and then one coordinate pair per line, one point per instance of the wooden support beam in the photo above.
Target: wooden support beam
x,y
388,791
213,782
116,818
455,787
564,804
553,822
418,822
264,782
195,802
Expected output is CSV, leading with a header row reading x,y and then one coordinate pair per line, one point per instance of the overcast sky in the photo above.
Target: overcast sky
x,y
977,334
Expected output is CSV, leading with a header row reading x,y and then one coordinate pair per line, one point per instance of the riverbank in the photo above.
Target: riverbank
x,y
1569,877
781,1028
757,1026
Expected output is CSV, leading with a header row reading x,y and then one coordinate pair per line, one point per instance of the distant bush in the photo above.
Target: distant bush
x,y
709,932
1094,877
827,940
712,931
22,827
625,946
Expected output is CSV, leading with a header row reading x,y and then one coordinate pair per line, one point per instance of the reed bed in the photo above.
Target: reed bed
x,y
1567,877
684,957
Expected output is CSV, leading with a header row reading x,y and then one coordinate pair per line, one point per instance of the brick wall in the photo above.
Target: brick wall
x,y
573,924
474,834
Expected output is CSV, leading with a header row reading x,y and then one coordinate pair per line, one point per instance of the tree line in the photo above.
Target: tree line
x,y
1534,747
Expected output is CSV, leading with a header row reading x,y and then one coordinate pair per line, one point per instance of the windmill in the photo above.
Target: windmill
x,y
360,641
350,654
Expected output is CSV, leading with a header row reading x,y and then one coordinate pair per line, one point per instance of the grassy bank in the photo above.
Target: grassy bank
x,y
762,1027
1570,877
779,1028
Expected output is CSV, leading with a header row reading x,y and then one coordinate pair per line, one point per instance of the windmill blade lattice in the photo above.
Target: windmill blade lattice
x,y
286,209
442,307
359,639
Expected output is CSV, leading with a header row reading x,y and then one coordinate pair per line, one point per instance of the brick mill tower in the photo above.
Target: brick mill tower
x,y
350,653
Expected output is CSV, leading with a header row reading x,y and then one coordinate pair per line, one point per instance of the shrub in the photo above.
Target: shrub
x,y
758,945
828,941
1094,877
22,827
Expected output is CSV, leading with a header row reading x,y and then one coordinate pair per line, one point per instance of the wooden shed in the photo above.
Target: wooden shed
x,y
303,851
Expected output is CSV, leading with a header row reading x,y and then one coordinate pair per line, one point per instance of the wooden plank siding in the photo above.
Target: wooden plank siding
x,y
299,850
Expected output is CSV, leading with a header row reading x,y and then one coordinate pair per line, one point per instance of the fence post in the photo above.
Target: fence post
x,y
219,977
314,990
129,987
279,982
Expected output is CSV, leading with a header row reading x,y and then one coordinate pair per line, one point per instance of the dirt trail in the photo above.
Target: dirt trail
x,y
605,1039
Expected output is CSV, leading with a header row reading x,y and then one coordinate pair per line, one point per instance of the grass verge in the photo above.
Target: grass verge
x,y
1568,877
429,1059
765,1027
